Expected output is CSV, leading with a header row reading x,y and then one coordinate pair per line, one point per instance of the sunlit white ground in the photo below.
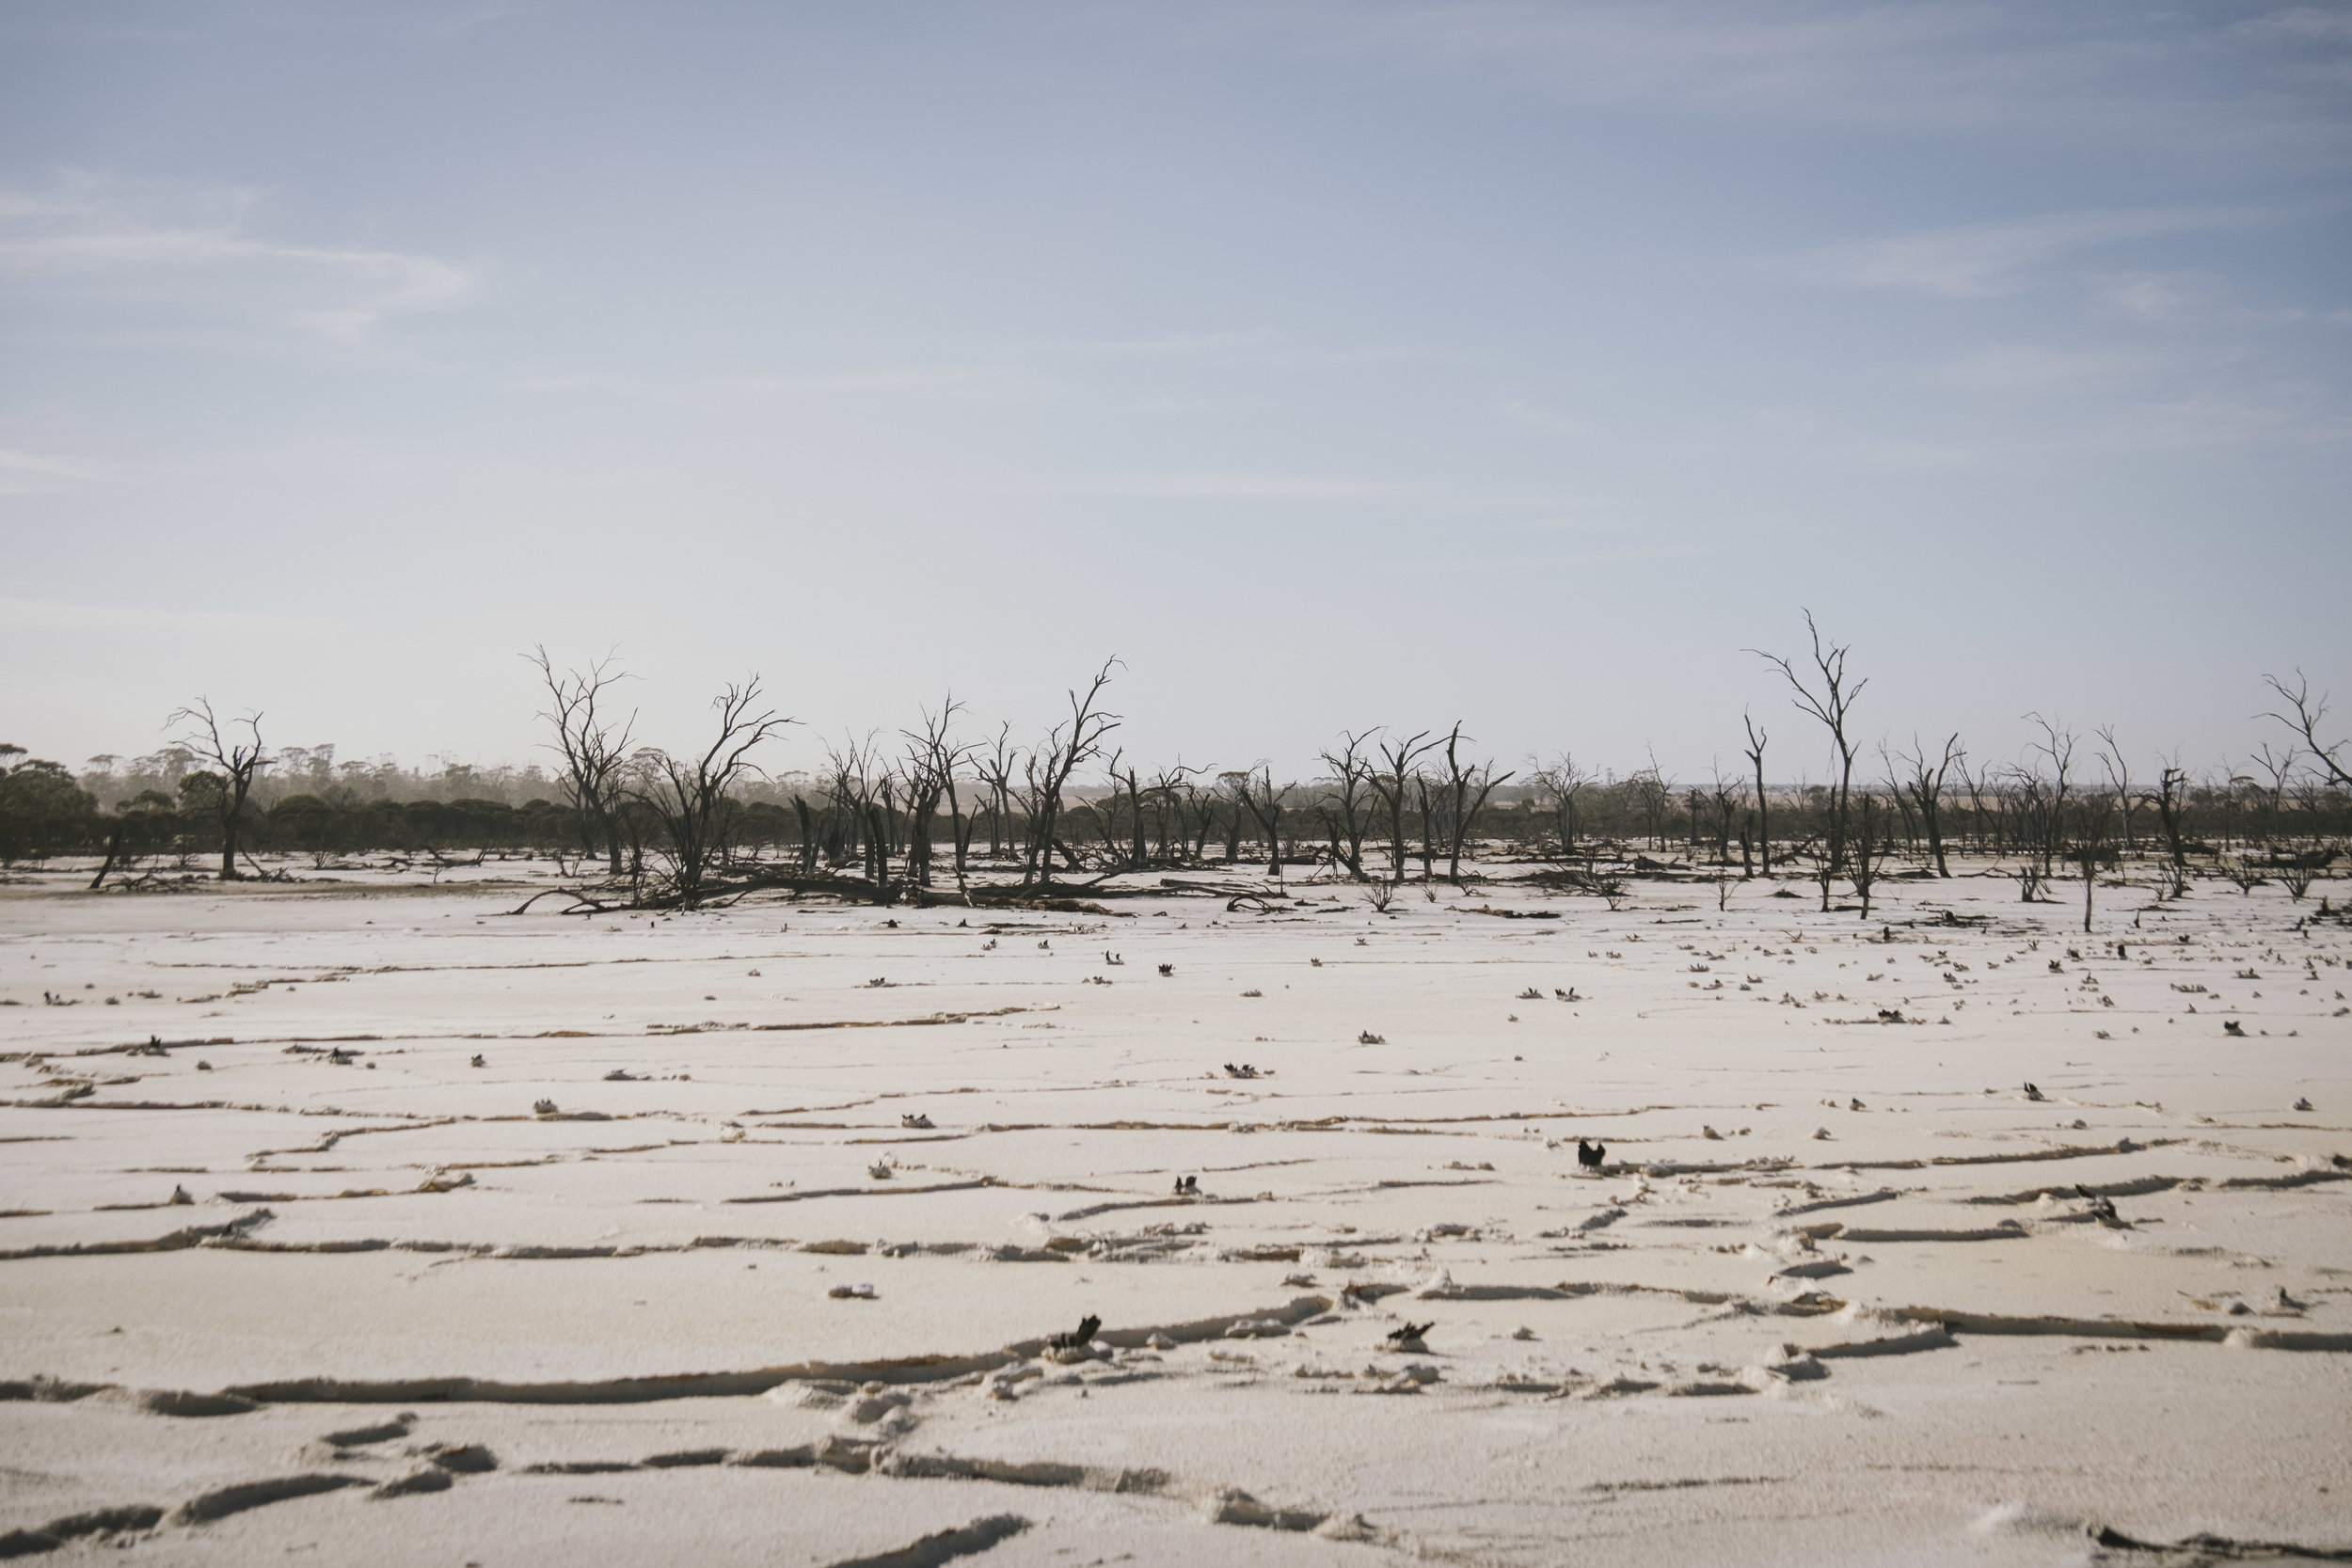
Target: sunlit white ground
x,y
1819,1139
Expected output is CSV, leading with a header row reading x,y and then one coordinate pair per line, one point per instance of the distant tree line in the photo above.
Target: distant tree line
x,y
931,808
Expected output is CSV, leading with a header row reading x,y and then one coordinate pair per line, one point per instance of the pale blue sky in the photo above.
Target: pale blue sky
x,y
1333,364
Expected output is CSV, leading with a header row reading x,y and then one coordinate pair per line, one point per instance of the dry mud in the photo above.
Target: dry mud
x,y
750,1236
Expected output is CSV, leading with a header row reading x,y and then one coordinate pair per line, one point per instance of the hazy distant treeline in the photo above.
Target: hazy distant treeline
x,y
931,804
165,806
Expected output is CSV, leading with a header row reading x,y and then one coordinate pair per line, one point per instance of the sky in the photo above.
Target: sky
x,y
1331,365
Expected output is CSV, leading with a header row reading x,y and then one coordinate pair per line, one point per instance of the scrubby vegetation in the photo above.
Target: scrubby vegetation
x,y
637,825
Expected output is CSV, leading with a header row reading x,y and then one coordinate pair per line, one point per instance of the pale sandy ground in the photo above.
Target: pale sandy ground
x,y
606,1335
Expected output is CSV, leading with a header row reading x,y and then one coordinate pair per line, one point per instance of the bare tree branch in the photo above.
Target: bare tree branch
x,y
690,796
594,753
239,762
2309,714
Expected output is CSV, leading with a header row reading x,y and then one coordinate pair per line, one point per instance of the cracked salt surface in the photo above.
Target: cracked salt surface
x,y
2108,1318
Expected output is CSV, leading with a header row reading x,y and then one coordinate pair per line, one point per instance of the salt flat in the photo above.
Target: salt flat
x,y
1844,1290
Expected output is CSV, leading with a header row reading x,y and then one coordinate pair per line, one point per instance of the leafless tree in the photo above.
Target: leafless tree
x,y
996,767
1466,786
932,760
1981,785
2280,768
1755,752
2310,713
690,797
1564,781
2087,847
1654,792
1197,801
1862,857
1138,853
1254,791
2170,796
593,750
1431,806
1390,782
2058,744
1173,796
1345,804
2119,776
857,779
239,761
2314,795
1924,784
1727,799
1067,748
1824,693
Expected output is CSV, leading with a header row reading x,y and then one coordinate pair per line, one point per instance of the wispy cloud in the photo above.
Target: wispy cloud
x,y
196,247
25,461
2196,299
1779,56
2315,45
1983,261
2287,415
2301,24
2178,78
1310,489
1211,485
1523,415
2035,367
941,381
1486,564
29,473
1175,344
2167,297
922,380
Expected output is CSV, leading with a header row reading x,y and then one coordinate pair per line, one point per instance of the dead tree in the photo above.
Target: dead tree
x,y
1171,792
808,833
1830,700
1755,752
932,759
1390,782
2034,828
2058,744
1725,799
2119,775
2281,768
1862,864
1195,814
2310,713
1429,810
1925,788
1137,854
2088,847
1345,802
239,762
1066,748
856,828
690,796
1254,792
1105,809
1466,791
593,751
996,769
2170,798
1653,793
1565,781
1900,800
1969,783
